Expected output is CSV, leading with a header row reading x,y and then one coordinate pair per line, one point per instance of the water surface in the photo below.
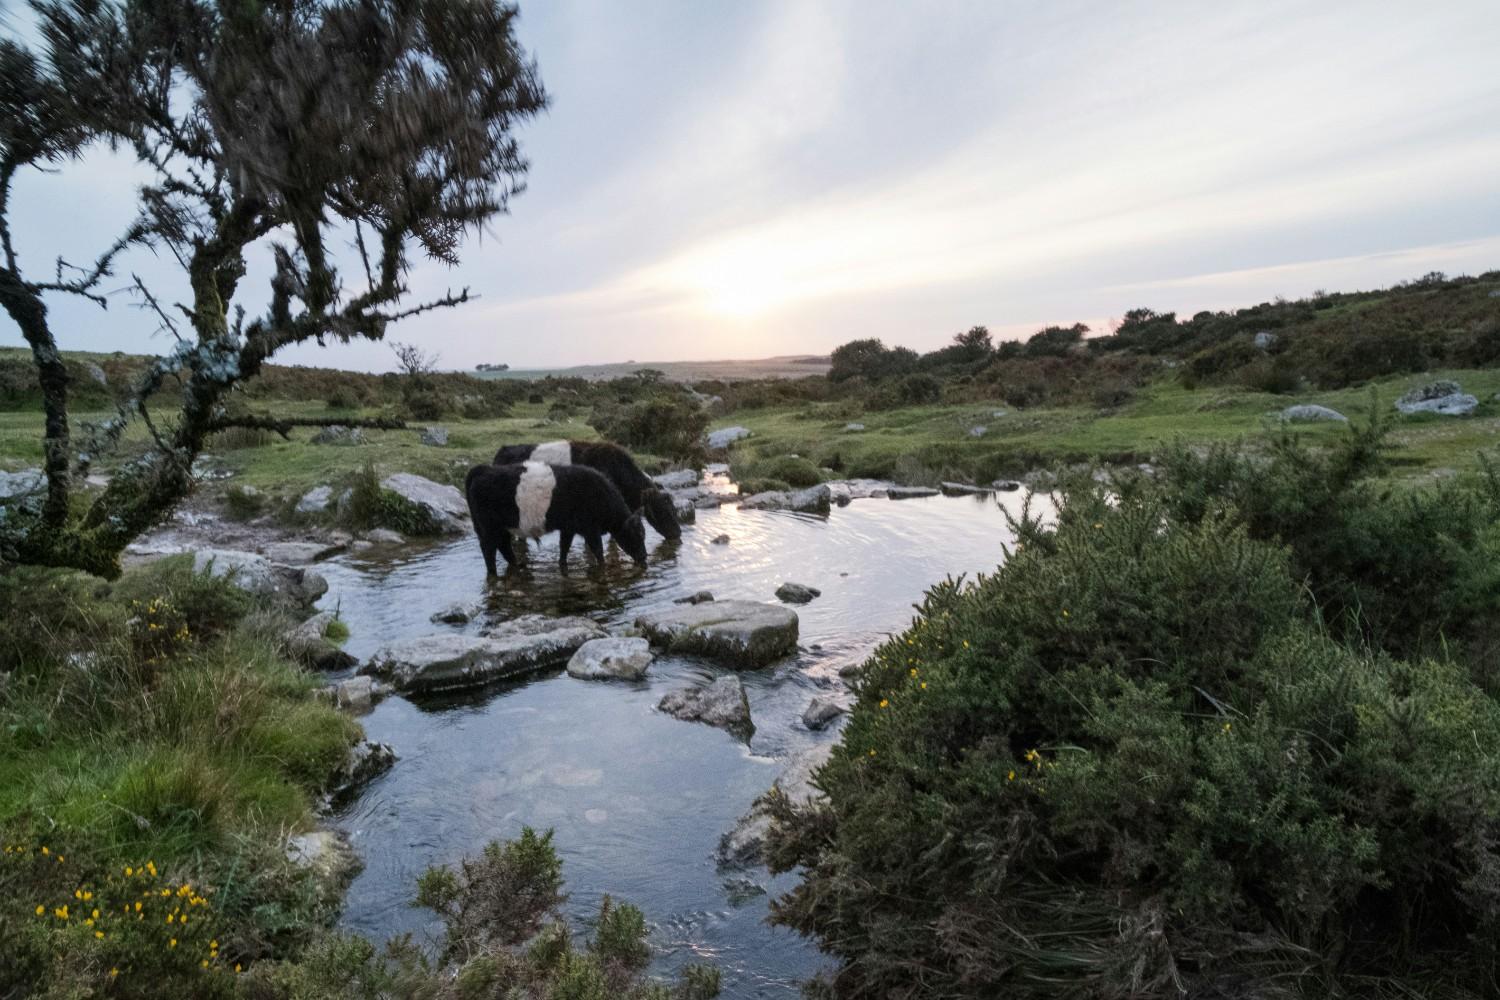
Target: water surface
x,y
638,799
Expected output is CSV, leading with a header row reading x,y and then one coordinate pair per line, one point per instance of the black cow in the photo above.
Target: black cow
x,y
531,499
615,462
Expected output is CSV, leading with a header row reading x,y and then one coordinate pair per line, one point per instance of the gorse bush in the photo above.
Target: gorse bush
x,y
1137,761
502,938
667,425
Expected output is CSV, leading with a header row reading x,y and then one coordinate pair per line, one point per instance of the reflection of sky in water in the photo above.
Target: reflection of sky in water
x,y
638,799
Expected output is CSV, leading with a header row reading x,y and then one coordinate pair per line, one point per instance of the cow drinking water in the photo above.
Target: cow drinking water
x,y
530,499
635,486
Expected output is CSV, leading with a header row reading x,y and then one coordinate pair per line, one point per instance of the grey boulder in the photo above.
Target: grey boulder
x,y
726,436
315,500
678,479
339,434
910,492
1443,396
444,503
615,658
446,661
435,437
260,577
308,643
820,712
739,633
722,703
744,846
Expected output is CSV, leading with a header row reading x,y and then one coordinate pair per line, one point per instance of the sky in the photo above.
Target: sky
x,y
717,180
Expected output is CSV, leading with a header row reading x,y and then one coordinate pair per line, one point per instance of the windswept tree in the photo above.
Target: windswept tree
x,y
293,124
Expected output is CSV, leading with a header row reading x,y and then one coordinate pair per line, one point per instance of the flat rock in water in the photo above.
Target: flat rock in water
x,y
365,762
615,658
910,492
725,436
965,489
356,694
444,502
721,540
1311,413
446,661
797,593
739,633
744,846
820,712
301,553
1443,396
813,500
1006,485
722,703
260,577
456,614
701,597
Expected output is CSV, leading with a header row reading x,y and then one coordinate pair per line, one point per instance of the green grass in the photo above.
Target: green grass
x,y
931,442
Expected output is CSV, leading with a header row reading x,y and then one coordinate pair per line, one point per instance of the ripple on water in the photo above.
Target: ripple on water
x,y
638,800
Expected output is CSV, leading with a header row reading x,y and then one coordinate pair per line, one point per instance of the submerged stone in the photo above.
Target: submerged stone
x,y
813,500
616,658
744,846
797,593
722,703
739,633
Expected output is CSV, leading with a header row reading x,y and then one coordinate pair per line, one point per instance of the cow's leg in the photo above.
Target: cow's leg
x,y
487,547
505,550
596,546
564,543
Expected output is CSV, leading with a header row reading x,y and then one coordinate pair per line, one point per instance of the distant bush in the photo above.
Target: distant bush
x,y
670,426
425,404
1131,763
343,397
1054,341
869,359
1113,396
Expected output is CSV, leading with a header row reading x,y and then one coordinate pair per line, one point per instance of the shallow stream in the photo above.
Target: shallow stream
x,y
638,799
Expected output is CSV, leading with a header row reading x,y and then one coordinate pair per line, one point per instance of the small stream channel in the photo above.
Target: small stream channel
x,y
638,799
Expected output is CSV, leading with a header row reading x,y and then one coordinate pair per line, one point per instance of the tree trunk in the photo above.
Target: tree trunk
x,y
24,305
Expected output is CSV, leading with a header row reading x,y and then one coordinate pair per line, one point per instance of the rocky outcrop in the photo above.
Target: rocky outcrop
x,y
744,846
258,576
1443,396
365,762
302,553
813,500
678,479
19,484
315,500
435,437
330,859
726,436
356,695
722,703
741,634
446,661
797,593
445,504
615,658
1264,340
1311,413
854,427
308,643
978,431
820,712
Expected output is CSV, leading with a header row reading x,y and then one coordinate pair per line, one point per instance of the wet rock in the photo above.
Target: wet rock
x,y
1311,413
1006,485
384,536
260,577
820,712
308,644
720,540
444,503
1443,396
910,492
845,490
722,703
701,597
446,661
435,437
1264,340
315,500
740,633
18,484
813,500
744,846
327,854
356,694
339,434
854,427
365,762
725,436
797,593
686,511
456,614
978,431
708,501
965,489
623,659
678,479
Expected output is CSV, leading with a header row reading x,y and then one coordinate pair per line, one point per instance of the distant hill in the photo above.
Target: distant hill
x,y
786,366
